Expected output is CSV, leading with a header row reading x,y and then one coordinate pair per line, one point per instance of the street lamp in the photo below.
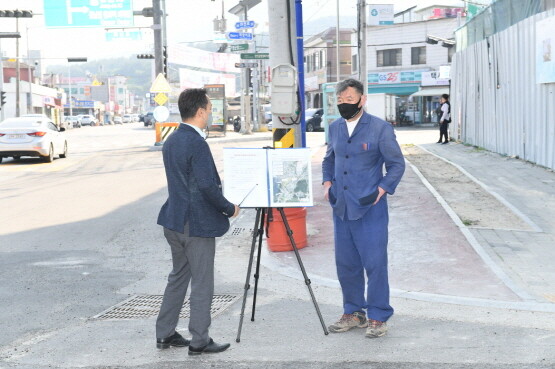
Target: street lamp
x,y
72,60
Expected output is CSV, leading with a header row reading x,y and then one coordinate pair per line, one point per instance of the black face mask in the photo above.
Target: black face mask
x,y
349,111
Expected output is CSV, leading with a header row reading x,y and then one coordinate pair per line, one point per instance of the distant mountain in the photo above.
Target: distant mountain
x,y
138,71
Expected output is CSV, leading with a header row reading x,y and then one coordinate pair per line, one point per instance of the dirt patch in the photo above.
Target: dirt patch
x,y
473,205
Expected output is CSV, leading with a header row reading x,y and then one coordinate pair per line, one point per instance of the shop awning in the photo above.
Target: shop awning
x,y
431,91
399,90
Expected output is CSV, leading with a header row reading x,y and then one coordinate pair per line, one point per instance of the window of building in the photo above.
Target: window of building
x,y
120,90
81,91
322,59
418,55
354,63
450,52
389,58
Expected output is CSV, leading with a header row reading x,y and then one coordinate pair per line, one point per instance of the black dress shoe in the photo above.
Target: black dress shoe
x,y
438,142
174,340
446,142
211,348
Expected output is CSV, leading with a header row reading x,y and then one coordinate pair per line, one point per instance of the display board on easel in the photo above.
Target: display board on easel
x,y
263,178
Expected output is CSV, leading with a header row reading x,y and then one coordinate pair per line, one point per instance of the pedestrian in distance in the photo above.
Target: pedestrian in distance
x,y
359,146
445,119
195,213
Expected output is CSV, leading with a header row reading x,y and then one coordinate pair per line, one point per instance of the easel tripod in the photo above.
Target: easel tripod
x,y
261,215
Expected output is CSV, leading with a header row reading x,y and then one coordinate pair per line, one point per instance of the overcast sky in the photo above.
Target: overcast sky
x,y
188,20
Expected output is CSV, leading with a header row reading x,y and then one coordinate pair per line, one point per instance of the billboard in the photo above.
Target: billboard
x,y
381,15
88,13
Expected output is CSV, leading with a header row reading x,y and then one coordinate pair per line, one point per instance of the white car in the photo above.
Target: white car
x,y
127,118
32,136
88,120
117,120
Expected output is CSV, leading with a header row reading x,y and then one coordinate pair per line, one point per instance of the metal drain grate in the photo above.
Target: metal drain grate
x,y
147,306
237,231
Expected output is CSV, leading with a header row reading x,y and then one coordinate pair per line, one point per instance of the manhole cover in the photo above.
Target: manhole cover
x,y
146,306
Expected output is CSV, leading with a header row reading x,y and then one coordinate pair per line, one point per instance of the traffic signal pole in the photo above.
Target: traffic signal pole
x,y
158,44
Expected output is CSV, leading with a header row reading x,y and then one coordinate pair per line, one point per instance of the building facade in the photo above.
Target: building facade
x,y
400,62
320,62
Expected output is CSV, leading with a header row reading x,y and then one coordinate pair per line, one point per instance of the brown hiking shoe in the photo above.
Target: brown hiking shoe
x,y
349,321
376,328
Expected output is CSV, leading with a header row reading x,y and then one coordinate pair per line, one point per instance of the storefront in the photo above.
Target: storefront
x,y
417,94
426,100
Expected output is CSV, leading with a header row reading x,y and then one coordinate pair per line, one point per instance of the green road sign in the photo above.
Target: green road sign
x,y
255,56
239,47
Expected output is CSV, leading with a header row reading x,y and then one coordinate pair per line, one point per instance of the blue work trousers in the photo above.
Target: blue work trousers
x,y
361,246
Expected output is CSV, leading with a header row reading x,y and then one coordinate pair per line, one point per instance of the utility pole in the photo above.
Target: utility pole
x,y
362,46
158,44
337,59
241,10
281,15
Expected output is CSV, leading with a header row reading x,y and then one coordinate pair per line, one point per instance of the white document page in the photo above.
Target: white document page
x,y
290,173
246,177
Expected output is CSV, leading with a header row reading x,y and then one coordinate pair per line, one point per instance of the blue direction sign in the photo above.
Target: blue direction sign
x,y
123,34
87,13
244,24
239,36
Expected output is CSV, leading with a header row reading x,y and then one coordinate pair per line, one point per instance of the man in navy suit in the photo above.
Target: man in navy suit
x,y
195,213
359,146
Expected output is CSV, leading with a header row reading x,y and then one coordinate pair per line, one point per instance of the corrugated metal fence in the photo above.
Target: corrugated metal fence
x,y
495,100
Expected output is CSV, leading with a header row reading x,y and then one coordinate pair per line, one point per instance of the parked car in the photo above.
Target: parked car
x,y
74,120
127,118
149,119
117,120
135,117
88,120
32,136
313,119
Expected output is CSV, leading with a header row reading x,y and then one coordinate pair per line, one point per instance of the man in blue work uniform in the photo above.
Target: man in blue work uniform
x,y
359,146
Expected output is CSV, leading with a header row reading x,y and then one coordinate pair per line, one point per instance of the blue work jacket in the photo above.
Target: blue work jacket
x,y
355,164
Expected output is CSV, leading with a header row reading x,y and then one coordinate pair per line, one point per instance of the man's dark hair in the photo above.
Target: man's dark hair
x,y
445,96
190,101
343,85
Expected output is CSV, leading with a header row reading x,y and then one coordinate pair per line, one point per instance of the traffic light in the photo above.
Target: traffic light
x,y
16,14
145,56
2,98
165,61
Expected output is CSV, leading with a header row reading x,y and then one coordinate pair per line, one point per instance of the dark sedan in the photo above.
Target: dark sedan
x,y
313,118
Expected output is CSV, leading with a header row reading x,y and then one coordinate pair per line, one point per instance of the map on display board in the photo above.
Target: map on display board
x,y
262,178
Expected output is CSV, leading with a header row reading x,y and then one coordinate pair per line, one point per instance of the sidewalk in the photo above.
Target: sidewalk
x,y
433,259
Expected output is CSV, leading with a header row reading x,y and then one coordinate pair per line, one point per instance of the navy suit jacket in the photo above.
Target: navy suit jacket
x,y
194,187
354,164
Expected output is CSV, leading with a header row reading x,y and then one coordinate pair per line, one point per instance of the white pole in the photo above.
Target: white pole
x,y
70,102
31,79
17,72
1,83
